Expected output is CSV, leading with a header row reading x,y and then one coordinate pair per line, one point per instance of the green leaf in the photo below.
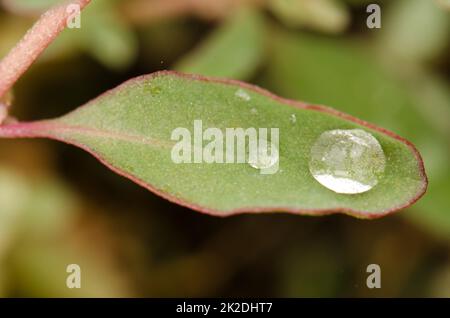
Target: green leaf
x,y
234,50
106,36
129,129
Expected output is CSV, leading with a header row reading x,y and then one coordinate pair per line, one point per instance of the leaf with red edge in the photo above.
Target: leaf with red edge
x,y
129,129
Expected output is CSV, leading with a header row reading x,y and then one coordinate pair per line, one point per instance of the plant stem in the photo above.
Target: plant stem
x,y
35,41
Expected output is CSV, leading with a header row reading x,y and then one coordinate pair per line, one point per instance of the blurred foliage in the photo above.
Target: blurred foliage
x,y
37,220
418,41
238,45
322,15
59,206
31,7
104,34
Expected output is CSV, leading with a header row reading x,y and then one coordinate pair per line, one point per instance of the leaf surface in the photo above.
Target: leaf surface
x,y
129,129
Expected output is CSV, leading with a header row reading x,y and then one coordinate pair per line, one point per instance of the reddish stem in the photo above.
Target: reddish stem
x,y
35,41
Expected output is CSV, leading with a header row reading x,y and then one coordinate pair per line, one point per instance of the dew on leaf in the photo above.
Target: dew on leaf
x,y
242,94
347,161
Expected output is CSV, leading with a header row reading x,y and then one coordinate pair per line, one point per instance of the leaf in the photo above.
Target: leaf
x,y
129,130
106,36
235,50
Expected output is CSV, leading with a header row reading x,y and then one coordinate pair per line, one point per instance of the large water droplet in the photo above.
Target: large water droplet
x,y
242,94
347,161
266,155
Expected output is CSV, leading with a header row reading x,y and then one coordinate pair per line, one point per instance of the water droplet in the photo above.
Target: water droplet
x,y
242,94
293,118
266,155
347,161
254,111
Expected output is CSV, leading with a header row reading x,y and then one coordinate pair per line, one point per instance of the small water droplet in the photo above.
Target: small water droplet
x,y
347,161
242,94
293,118
266,155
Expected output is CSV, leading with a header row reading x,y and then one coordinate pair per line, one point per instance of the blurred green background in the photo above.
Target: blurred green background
x,y
59,206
